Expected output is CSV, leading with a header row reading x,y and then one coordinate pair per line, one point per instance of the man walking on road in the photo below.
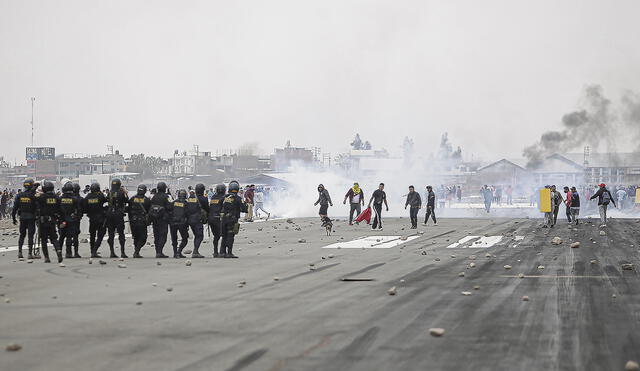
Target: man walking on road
x,y
378,197
430,199
356,199
487,196
604,198
415,203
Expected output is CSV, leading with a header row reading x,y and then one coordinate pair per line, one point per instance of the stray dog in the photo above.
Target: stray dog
x,y
326,223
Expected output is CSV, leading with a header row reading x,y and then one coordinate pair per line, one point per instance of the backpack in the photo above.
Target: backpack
x,y
606,197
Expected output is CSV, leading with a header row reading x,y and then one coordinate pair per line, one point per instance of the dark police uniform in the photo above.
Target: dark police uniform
x,y
215,223
116,208
232,206
138,210
178,224
25,206
160,222
197,211
93,206
70,209
49,211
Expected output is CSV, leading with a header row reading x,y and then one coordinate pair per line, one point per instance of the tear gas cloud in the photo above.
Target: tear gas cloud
x,y
598,123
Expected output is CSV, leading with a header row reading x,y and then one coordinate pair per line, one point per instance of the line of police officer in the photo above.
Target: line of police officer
x,y
107,216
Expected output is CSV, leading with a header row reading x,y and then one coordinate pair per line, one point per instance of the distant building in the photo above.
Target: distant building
x,y
283,158
73,165
501,172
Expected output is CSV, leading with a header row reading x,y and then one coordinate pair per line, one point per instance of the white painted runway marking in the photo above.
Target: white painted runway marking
x,y
480,242
462,241
371,242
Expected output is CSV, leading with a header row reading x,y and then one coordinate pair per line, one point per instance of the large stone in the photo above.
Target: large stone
x,y
392,291
628,267
632,366
507,266
187,263
603,233
466,293
13,347
575,245
437,332
556,241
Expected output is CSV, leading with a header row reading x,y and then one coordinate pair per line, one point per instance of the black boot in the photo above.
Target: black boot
x,y
176,255
20,253
136,252
45,252
113,253
122,254
59,253
229,254
75,253
159,254
196,253
215,251
30,256
68,253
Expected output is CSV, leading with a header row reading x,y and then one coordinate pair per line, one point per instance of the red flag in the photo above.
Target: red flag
x,y
365,215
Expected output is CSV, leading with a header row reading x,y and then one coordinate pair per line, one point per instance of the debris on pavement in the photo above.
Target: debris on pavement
x,y
392,291
507,266
575,245
437,332
525,298
187,263
628,267
466,293
556,241
632,366
13,347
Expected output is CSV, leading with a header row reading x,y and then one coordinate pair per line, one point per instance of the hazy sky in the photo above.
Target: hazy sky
x,y
153,76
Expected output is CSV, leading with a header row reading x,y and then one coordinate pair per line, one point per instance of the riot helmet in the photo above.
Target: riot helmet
x,y
221,189
47,186
200,189
67,187
142,190
234,186
95,187
115,185
162,187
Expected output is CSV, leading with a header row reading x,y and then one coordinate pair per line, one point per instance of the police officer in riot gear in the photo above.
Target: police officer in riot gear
x,y
215,222
158,212
69,220
76,241
232,206
25,206
178,223
48,205
197,215
94,207
139,218
116,208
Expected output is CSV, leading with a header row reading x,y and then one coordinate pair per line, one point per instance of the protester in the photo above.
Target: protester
x,y
415,203
575,205
604,198
355,195
378,197
430,199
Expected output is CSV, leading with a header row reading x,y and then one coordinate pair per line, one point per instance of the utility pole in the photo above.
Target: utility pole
x,y
33,99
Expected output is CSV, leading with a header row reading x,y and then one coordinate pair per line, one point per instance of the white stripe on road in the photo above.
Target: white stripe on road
x,y
371,242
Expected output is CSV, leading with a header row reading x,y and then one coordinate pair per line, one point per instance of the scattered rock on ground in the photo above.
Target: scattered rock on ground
x,y
302,240
437,332
507,266
520,275
628,267
187,263
13,347
461,274
466,293
102,262
525,298
122,265
631,366
556,241
575,245
392,291
169,289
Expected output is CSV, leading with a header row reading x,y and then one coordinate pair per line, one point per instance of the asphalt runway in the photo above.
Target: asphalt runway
x,y
285,306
